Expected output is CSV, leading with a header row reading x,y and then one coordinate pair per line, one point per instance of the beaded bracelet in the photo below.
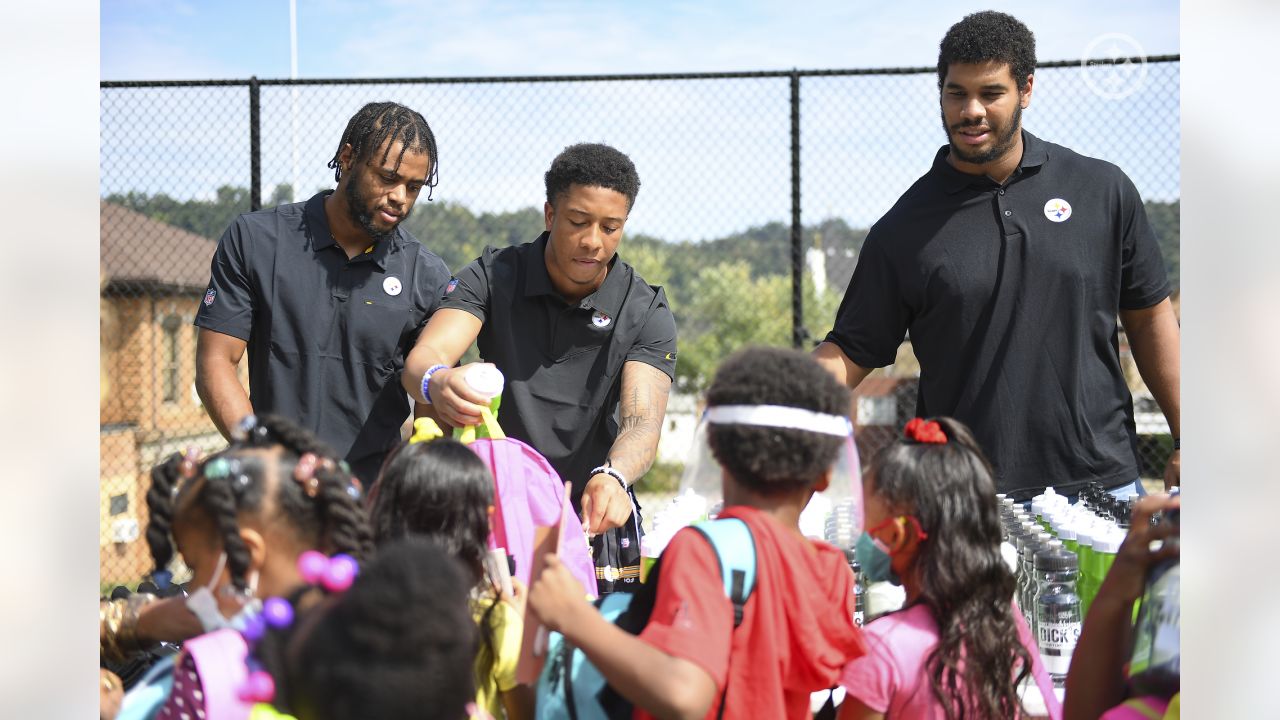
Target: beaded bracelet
x,y
611,472
426,380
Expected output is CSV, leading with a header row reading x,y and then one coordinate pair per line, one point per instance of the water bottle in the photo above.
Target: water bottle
x,y
1027,547
1084,556
486,379
1057,611
1156,660
1105,547
859,590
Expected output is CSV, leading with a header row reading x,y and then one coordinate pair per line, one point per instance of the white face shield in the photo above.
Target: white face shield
x,y
834,515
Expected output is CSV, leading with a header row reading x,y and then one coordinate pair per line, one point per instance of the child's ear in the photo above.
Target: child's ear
x,y
824,482
256,545
897,535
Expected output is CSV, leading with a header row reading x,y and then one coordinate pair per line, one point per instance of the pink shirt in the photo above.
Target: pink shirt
x,y
891,677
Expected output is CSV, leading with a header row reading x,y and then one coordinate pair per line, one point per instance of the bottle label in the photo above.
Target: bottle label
x,y
1057,641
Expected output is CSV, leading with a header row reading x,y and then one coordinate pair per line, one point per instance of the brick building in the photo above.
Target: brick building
x,y
153,276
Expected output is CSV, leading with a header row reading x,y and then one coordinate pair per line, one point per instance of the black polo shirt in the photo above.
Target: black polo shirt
x,y
563,362
327,336
1010,294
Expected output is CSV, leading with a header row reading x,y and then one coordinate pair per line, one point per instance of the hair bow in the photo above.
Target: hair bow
x,y
925,431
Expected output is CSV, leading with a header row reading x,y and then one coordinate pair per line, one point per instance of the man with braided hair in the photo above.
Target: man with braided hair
x,y
328,296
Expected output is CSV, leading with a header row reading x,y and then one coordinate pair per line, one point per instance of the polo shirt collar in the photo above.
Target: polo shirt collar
x,y
1034,154
322,237
607,298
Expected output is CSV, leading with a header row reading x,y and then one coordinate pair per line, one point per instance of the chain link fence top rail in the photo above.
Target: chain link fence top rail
x,y
749,182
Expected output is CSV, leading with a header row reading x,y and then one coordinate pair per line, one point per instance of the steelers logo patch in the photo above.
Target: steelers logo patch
x,y
1057,210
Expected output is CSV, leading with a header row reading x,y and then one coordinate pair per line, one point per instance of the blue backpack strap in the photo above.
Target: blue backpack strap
x,y
735,550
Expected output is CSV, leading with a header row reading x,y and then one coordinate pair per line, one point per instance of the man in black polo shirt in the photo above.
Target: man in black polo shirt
x,y
1008,263
328,296
587,347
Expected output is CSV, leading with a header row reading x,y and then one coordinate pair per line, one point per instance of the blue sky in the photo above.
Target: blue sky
x,y
163,39
713,156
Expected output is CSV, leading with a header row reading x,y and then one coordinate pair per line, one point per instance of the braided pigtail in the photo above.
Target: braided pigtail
x,y
160,510
218,497
345,520
335,495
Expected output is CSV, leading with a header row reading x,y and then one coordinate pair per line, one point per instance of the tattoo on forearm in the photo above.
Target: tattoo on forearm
x,y
640,425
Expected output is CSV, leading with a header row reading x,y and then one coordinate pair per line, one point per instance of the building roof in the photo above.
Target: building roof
x,y
140,252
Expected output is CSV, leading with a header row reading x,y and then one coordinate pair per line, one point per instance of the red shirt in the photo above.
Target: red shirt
x,y
797,628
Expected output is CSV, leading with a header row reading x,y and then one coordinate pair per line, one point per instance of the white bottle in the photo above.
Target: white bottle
x,y
486,379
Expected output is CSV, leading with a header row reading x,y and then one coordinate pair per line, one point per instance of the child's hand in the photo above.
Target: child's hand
x,y
556,597
1127,577
518,597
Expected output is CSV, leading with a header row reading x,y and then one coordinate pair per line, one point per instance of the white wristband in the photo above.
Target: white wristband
x,y
611,472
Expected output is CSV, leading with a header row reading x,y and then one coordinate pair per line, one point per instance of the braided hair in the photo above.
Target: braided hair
x,y
380,125
234,481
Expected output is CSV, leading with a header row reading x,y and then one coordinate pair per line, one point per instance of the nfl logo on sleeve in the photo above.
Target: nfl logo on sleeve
x,y
209,296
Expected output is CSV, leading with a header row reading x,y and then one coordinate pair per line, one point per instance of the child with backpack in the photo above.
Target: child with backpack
x,y
775,423
240,519
955,649
441,490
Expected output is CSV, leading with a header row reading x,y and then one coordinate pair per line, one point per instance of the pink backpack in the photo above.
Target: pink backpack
x,y
527,492
220,662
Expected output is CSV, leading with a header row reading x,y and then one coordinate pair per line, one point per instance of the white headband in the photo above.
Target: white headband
x,y
780,416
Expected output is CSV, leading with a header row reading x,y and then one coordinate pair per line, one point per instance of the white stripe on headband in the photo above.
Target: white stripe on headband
x,y
780,416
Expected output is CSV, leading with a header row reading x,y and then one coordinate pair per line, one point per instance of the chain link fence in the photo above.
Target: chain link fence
x,y
757,191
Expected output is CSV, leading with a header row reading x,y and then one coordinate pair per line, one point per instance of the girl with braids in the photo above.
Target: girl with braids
x,y
955,649
441,490
240,520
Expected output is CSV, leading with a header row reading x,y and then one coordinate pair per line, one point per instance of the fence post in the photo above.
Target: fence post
x,y
255,147
798,332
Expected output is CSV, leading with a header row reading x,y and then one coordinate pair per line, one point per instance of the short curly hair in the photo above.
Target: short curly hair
x,y
986,36
399,643
767,459
592,165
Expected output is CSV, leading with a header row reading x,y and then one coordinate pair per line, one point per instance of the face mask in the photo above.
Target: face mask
x,y
875,557
875,562
204,606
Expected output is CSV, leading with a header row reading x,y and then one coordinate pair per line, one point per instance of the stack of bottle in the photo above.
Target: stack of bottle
x,y
1060,553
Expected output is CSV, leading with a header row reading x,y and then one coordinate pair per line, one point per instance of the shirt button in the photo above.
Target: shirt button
x,y
1001,191
1007,213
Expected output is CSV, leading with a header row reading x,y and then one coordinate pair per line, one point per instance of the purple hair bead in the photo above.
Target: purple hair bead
x,y
277,612
312,565
340,573
254,628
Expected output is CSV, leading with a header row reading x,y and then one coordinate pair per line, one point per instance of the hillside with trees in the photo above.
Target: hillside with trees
x,y
726,293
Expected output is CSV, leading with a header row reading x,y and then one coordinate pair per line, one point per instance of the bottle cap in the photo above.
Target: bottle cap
x,y
1084,534
1108,542
1051,559
486,379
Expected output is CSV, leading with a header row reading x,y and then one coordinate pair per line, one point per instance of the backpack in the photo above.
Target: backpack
x,y
220,661
570,687
527,492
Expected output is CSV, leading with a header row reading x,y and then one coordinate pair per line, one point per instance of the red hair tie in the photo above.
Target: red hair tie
x,y
925,431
